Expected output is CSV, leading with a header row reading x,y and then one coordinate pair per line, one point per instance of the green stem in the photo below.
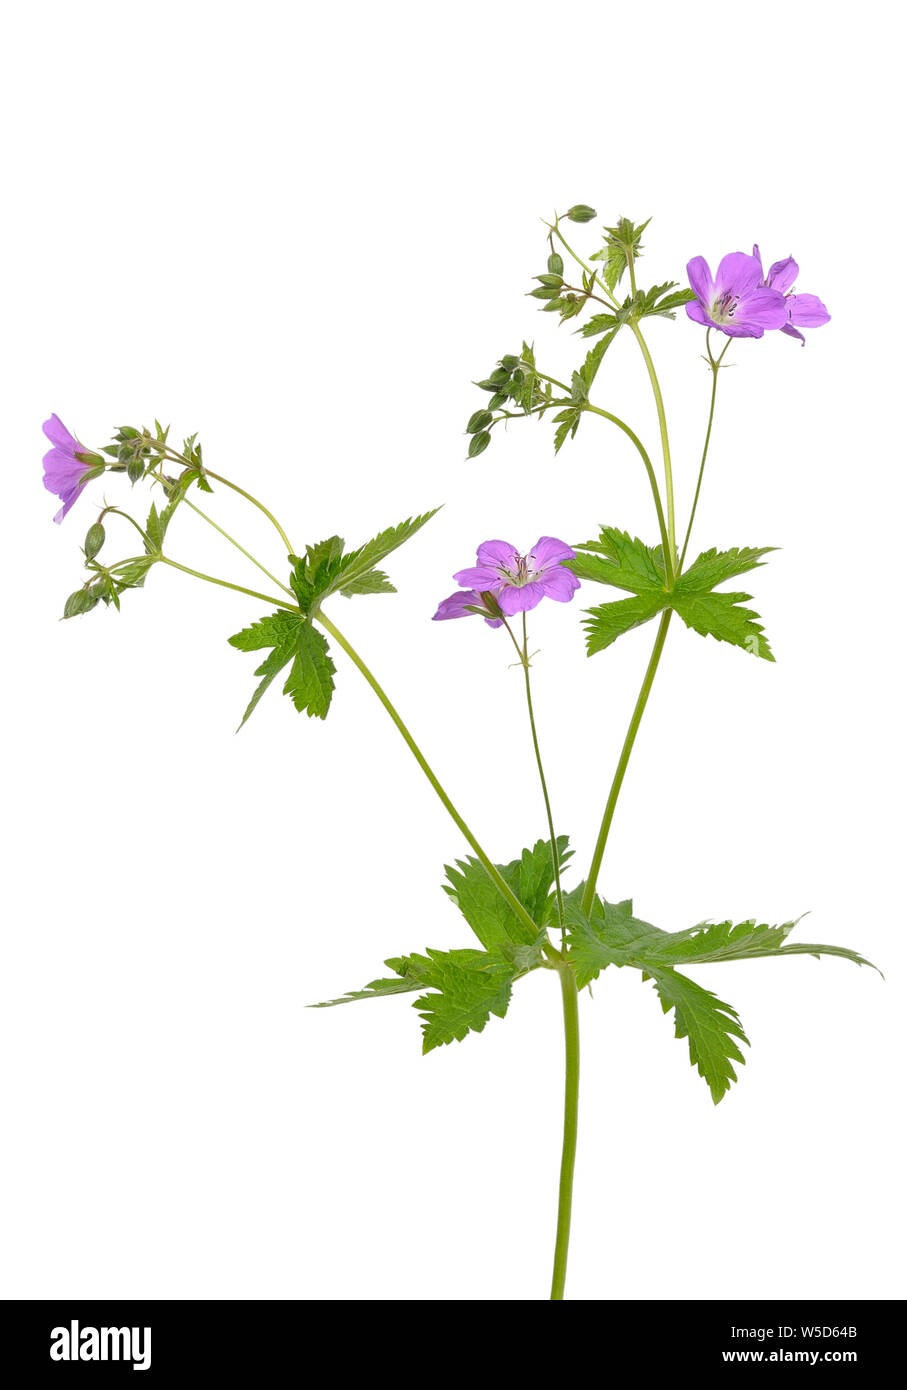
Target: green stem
x,y
255,503
715,363
555,857
571,1114
617,783
665,446
653,481
241,548
226,584
493,873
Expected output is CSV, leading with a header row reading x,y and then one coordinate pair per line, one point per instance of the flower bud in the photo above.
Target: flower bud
x,y
94,540
581,212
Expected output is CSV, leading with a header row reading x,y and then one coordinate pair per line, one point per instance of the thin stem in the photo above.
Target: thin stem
x,y
493,873
715,364
617,783
579,261
255,503
665,446
653,481
227,537
571,1114
226,584
555,857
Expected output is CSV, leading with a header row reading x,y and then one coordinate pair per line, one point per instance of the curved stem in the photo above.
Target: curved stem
x,y
555,856
653,481
226,584
665,446
617,783
570,998
716,363
241,548
255,503
493,873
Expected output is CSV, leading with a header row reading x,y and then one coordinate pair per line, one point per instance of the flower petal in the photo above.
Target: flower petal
x,y
696,312
560,584
479,577
59,435
456,605
700,278
498,553
794,333
548,551
519,599
761,308
738,274
782,275
807,310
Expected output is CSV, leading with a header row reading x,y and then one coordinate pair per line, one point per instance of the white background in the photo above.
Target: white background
x,y
302,231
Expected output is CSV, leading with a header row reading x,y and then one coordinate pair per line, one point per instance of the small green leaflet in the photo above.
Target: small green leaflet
x,y
627,563
325,569
661,301
467,987
292,638
710,1025
613,936
531,877
621,243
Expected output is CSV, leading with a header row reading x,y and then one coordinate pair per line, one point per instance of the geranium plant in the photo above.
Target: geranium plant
x,y
523,913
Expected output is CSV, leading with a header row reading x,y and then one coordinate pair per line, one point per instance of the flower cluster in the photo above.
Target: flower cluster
x,y
742,301
504,582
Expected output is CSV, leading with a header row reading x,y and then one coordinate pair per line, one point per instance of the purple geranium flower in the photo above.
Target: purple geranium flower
x,y
65,465
803,310
515,582
737,301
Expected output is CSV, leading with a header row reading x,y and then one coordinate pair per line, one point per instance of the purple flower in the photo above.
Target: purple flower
x,y
803,310
65,465
515,582
737,301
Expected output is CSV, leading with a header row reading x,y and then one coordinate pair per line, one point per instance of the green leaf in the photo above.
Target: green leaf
x,y
133,574
292,638
722,616
710,1025
715,566
623,561
622,243
567,424
712,942
604,624
278,631
310,684
325,569
531,877
599,323
154,530
610,936
468,987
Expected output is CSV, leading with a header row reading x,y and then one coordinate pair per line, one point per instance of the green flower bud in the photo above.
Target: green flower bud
x,y
555,264
479,421
582,213
94,540
478,444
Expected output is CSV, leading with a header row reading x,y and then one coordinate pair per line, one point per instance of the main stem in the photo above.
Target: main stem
x,y
570,996
493,873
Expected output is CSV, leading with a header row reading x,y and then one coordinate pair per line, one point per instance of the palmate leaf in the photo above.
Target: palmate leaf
x,y
612,935
625,562
531,877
